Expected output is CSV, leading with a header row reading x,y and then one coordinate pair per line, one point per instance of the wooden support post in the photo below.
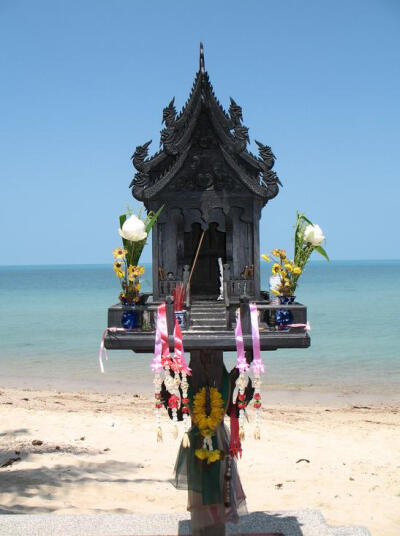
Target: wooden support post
x,y
245,314
208,363
272,319
246,325
169,305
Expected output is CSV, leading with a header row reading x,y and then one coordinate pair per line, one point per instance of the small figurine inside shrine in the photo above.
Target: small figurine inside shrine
x,y
204,192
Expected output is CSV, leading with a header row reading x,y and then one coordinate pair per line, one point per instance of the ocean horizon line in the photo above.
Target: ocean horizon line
x,y
105,264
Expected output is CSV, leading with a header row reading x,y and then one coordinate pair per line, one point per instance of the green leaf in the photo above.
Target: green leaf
x,y
122,220
304,218
137,248
153,219
322,252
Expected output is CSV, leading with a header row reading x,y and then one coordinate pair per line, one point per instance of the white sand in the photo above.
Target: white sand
x,y
352,475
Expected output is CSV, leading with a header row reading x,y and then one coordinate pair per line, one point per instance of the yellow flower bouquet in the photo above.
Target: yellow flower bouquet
x,y
307,238
133,231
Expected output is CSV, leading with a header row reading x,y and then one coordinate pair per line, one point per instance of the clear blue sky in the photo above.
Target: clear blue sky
x,y
84,82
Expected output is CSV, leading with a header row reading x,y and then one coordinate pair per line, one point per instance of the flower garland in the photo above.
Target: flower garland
x,y
172,383
243,380
243,367
208,423
164,362
180,367
257,365
161,349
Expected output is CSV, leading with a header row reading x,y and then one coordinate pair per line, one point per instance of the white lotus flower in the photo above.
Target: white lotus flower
x,y
314,235
133,229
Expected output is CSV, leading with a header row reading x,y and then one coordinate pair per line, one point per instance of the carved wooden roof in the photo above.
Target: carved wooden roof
x,y
203,147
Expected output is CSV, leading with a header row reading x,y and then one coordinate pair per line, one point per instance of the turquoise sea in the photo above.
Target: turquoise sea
x,y
52,318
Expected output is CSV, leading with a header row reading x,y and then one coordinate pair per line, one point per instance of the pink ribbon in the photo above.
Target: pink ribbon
x,y
241,362
103,349
179,352
306,327
161,342
161,346
257,364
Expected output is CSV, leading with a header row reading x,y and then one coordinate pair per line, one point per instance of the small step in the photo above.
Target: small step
x,y
207,329
208,307
208,303
212,310
207,314
206,322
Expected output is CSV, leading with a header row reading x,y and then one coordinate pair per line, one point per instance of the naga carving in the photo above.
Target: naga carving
x,y
235,113
267,157
139,183
169,114
140,155
141,179
241,137
167,139
270,181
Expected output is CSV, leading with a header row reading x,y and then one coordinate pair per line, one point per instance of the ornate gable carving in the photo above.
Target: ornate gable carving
x,y
205,167
204,148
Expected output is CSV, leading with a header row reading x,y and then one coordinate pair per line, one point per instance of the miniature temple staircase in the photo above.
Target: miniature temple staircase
x,y
208,316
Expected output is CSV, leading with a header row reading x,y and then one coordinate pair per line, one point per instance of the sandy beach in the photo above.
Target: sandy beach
x,y
87,453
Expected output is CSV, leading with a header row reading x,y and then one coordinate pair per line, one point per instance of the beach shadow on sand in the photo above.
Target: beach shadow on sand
x,y
11,433
32,482
21,482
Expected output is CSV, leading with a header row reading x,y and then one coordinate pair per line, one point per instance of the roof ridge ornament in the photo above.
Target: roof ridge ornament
x,y
139,156
169,114
205,128
235,113
266,156
202,63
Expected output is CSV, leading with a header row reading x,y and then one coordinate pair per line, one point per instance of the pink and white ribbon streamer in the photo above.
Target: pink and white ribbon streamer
x,y
241,362
161,325
103,349
306,327
257,364
179,352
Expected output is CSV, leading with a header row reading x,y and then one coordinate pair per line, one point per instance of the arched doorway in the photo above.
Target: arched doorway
x,y
205,281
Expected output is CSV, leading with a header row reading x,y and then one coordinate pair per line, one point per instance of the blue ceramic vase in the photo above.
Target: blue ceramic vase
x,y
283,317
129,318
181,317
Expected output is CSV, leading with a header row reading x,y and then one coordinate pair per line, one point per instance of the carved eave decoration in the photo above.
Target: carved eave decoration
x,y
219,135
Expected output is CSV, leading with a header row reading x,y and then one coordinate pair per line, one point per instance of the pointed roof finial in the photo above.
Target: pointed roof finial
x,y
202,65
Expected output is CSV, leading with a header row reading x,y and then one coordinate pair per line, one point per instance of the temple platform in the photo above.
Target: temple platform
x,y
218,340
210,324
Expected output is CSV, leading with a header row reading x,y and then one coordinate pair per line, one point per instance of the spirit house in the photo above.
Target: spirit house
x,y
207,236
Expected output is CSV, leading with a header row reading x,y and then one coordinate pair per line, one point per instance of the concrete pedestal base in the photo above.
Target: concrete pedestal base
x,y
286,523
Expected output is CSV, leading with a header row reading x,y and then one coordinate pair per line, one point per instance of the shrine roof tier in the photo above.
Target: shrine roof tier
x,y
203,147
